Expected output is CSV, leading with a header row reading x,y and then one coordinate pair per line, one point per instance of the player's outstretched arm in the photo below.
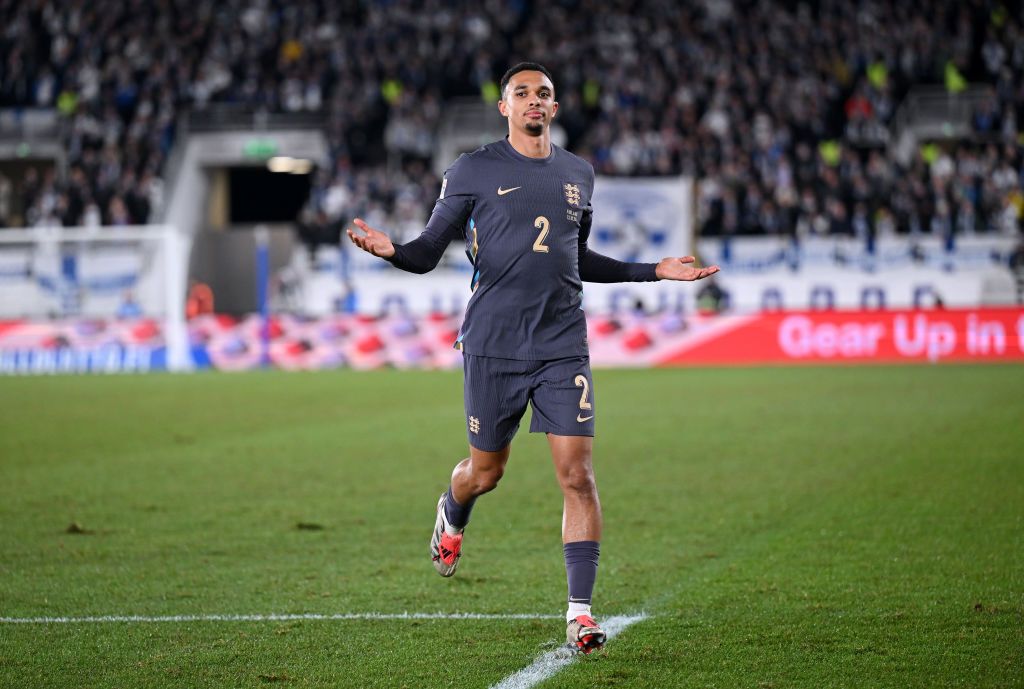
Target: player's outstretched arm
x,y
595,267
680,269
371,241
421,255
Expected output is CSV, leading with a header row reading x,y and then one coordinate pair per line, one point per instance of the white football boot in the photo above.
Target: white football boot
x,y
445,549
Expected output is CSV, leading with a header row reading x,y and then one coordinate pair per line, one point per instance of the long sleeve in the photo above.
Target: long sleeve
x,y
422,254
595,267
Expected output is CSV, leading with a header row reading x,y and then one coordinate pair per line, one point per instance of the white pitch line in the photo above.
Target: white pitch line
x,y
550,663
280,618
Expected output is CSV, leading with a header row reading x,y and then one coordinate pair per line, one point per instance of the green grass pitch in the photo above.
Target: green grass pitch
x,y
785,527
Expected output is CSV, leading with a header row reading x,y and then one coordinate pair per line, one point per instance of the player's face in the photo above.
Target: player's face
x,y
529,102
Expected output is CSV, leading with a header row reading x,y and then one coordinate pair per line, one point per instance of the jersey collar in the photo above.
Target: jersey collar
x,y
526,159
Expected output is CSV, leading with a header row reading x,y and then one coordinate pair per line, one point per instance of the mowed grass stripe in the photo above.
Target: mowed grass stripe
x,y
782,524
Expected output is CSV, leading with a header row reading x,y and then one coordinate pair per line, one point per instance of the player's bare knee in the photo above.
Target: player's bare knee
x,y
486,480
578,481
486,469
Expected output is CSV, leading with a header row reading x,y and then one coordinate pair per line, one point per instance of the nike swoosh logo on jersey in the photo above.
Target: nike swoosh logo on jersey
x,y
581,418
502,192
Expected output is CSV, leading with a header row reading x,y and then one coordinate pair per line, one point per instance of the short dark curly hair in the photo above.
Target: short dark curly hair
x,y
524,67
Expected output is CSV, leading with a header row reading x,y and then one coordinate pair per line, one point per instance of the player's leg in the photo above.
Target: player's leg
x,y
581,535
563,406
496,394
477,474
581,505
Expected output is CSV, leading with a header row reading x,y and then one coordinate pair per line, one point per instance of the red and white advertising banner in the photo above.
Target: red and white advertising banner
x,y
987,334
631,339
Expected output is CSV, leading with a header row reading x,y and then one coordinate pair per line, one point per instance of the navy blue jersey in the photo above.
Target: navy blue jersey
x,y
525,222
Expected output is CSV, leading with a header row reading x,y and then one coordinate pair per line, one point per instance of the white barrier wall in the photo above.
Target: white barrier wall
x,y
896,272
98,274
641,219
760,274
650,218
395,292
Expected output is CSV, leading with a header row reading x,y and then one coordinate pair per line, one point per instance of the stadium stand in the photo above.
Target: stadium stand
x,y
782,141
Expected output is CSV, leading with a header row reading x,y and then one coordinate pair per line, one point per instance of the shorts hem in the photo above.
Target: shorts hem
x,y
476,446
581,433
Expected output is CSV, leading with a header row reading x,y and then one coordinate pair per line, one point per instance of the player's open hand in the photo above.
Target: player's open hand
x,y
680,269
371,241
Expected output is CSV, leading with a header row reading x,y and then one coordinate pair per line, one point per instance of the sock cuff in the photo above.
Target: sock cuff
x,y
455,514
582,551
450,497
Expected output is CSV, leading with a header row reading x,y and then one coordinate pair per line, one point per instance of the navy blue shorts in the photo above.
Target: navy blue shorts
x,y
497,391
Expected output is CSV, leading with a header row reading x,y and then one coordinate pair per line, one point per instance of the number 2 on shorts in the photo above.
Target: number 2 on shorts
x,y
581,382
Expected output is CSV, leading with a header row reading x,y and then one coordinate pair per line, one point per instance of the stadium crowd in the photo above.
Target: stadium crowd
x,y
781,140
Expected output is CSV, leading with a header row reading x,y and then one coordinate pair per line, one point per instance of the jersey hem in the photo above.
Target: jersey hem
x,y
529,355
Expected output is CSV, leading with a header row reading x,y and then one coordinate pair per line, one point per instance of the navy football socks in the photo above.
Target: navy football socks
x,y
581,571
455,514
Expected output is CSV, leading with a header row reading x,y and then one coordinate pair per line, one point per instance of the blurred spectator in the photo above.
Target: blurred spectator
x,y
199,300
1017,266
6,197
129,307
711,298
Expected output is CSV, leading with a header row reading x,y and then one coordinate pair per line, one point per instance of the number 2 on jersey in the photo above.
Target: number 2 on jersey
x,y
542,224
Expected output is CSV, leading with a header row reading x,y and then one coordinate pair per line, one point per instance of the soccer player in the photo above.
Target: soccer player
x,y
522,206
